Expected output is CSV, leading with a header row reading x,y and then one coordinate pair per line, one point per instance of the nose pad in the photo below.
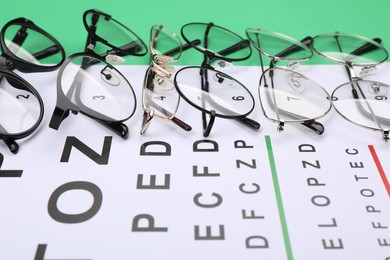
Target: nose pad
x,y
108,75
297,83
377,89
367,70
163,82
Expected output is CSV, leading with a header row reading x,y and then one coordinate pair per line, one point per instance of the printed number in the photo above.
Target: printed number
x,y
99,97
380,97
22,96
238,98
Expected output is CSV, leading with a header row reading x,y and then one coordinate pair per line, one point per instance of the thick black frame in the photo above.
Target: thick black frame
x,y
64,105
9,61
209,56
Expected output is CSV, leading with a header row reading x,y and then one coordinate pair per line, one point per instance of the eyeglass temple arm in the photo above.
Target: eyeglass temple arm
x,y
10,142
21,36
183,48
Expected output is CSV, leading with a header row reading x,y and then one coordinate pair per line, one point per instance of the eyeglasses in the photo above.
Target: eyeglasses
x,y
100,91
215,93
27,48
287,96
363,102
159,96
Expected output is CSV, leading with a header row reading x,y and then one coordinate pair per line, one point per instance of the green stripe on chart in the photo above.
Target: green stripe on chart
x,y
279,198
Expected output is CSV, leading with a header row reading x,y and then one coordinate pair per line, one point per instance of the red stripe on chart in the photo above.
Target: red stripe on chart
x,y
380,169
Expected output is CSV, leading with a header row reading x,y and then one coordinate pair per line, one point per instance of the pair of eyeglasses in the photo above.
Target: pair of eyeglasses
x,y
287,96
363,102
88,83
159,96
212,91
27,48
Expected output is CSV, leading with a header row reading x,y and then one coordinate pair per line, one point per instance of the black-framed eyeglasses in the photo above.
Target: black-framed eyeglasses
x,y
215,93
363,102
287,96
159,96
100,91
27,48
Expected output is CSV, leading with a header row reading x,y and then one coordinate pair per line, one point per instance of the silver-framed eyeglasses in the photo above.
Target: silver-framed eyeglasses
x,y
287,96
363,102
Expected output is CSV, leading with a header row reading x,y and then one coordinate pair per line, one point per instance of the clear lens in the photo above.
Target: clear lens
x,y
225,95
366,103
114,33
288,96
220,41
159,94
97,88
164,44
20,110
32,46
274,44
354,49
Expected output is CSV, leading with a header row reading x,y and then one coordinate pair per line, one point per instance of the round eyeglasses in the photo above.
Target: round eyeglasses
x,y
211,91
287,96
27,48
362,102
89,84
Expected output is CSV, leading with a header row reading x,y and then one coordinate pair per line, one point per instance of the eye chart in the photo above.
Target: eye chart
x,y
84,193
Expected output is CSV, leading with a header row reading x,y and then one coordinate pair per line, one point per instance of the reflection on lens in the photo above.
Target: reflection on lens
x,y
113,33
32,46
159,95
100,91
223,43
20,109
366,103
354,49
288,96
273,44
225,95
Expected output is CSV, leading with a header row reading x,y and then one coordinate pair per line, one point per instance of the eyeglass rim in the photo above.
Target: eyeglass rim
x,y
347,118
189,101
281,35
352,35
291,120
105,42
21,64
35,93
207,51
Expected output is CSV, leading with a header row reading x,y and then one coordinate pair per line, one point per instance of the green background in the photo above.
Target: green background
x,y
299,18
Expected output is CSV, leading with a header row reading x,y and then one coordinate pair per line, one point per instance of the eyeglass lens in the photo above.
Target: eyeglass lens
x,y
100,91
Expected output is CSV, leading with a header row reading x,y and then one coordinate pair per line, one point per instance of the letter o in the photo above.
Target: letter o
x,y
324,203
59,216
371,193
256,190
